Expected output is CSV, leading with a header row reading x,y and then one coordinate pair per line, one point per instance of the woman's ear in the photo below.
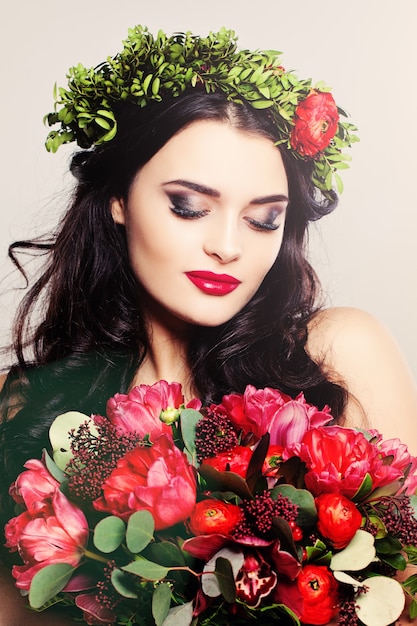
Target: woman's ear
x,y
117,209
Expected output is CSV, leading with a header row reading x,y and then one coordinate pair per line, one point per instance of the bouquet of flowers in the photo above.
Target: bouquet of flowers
x,y
254,509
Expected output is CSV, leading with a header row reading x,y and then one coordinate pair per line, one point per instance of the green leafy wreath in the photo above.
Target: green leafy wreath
x,y
148,68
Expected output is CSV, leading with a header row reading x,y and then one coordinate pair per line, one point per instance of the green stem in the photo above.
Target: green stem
x,y
95,557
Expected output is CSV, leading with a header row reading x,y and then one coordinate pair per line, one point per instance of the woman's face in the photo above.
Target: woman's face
x,y
204,221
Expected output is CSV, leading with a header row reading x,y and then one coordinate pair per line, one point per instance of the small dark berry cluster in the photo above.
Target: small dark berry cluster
x,y
260,512
214,434
106,593
398,517
95,457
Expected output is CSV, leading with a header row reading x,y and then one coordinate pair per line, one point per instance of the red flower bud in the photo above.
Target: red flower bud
x,y
338,518
214,517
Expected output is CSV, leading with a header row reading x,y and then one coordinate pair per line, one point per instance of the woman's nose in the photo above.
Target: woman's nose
x,y
223,241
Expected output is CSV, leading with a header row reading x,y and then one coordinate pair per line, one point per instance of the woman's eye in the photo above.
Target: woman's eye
x,y
185,213
182,206
265,226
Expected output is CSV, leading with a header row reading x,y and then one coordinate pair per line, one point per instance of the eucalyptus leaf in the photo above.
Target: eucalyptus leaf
x,y
140,529
109,533
383,602
59,435
357,555
49,581
209,581
180,615
53,468
161,602
224,574
146,569
189,419
123,584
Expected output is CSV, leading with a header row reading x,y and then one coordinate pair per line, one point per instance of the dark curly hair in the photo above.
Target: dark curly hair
x,y
92,338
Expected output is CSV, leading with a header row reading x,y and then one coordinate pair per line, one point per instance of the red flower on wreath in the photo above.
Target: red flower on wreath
x,y
316,120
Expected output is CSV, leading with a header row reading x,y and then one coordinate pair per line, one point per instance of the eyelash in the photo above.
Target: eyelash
x,y
189,214
186,214
265,226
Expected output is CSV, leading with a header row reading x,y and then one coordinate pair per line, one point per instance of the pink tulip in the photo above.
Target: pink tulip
x,y
338,460
33,486
259,411
58,534
139,411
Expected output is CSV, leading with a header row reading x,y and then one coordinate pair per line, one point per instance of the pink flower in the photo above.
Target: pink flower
x,y
155,478
338,460
401,459
58,534
258,411
33,486
139,411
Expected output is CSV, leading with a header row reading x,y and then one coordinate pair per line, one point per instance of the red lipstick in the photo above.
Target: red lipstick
x,y
213,284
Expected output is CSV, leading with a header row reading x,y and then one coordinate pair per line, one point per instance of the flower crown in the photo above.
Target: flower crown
x,y
149,68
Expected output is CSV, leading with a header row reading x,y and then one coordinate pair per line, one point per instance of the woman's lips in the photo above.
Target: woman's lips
x,y
213,284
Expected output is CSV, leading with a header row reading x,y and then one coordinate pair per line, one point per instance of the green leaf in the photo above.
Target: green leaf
x,y
262,104
53,468
357,554
364,489
388,545
397,561
49,581
225,481
307,513
146,569
140,529
383,602
189,419
224,574
180,615
123,584
161,602
413,609
168,554
254,471
109,534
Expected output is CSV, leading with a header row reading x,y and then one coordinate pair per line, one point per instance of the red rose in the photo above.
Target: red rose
x,y
338,518
157,478
235,460
319,590
214,517
316,120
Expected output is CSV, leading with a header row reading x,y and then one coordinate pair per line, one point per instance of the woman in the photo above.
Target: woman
x,y
181,256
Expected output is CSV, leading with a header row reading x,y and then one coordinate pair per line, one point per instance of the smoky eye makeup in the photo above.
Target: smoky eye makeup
x,y
267,220
181,205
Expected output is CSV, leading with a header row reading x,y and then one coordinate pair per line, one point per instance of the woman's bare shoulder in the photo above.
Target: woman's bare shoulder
x,y
357,351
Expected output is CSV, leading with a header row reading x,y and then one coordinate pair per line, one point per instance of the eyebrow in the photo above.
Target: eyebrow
x,y
213,193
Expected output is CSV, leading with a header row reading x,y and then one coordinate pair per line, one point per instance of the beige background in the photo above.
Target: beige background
x,y
366,50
